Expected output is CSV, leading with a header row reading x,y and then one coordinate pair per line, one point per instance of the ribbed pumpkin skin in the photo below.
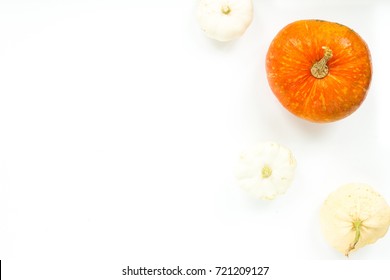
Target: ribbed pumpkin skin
x,y
291,56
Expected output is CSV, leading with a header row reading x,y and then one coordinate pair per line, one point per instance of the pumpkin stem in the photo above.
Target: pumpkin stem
x,y
320,69
356,226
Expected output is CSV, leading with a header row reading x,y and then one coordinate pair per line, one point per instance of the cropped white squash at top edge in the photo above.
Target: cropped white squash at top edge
x,y
266,170
224,20
354,216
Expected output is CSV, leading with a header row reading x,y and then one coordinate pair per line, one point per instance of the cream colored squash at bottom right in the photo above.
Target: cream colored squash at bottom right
x,y
354,216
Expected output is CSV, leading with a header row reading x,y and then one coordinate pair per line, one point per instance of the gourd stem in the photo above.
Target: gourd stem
x,y
320,68
266,172
225,9
356,225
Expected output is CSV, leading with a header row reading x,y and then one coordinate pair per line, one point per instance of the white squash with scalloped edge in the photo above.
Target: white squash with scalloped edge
x,y
224,20
266,170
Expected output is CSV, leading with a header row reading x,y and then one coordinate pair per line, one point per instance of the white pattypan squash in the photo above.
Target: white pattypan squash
x,y
353,216
266,170
224,20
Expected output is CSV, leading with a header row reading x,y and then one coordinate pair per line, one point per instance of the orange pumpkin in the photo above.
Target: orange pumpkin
x,y
319,70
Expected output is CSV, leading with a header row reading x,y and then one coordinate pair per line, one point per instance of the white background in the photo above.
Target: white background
x,y
121,124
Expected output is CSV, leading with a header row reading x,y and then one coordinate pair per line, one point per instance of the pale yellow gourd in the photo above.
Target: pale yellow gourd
x,y
354,216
